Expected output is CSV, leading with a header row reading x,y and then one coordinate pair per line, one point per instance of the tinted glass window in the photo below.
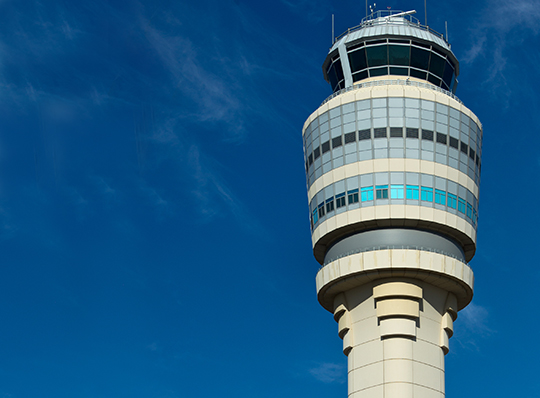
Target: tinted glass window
x,y
317,152
427,135
325,146
441,138
399,71
436,66
350,137
454,142
378,71
419,58
448,72
336,142
360,76
398,55
358,60
339,69
435,80
379,133
412,133
377,55
331,72
364,135
464,148
396,132
418,74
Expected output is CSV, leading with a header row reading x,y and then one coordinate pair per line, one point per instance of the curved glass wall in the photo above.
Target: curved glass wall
x,y
335,73
400,57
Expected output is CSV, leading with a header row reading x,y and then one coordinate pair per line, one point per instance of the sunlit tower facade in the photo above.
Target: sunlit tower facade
x,y
393,163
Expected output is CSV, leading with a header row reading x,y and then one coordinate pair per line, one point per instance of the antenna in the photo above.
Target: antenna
x,y
333,37
425,10
446,28
366,9
401,14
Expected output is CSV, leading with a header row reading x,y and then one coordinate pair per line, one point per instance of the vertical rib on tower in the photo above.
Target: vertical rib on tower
x,y
393,171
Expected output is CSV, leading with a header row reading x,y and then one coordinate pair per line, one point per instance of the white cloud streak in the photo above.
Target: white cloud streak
x,y
327,372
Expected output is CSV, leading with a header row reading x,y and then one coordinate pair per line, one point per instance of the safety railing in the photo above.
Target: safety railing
x,y
394,82
384,17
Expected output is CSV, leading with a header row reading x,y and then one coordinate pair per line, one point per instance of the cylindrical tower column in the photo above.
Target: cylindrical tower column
x,y
393,170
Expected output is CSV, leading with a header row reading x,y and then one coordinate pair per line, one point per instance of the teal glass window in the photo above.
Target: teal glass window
x,y
315,216
462,205
427,194
358,60
396,191
381,191
378,71
340,200
440,197
367,194
419,58
469,210
353,196
452,201
398,55
436,65
377,55
412,192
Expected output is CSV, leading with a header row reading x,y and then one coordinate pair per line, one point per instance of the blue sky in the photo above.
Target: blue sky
x,y
153,216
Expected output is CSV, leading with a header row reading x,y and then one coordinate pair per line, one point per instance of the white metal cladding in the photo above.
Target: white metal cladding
x,y
391,29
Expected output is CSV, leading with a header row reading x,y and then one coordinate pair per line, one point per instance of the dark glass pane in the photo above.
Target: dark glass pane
x,y
399,55
377,55
378,71
339,69
448,73
418,74
412,132
436,65
435,80
472,154
399,71
331,72
357,60
464,148
350,137
357,45
441,138
396,132
360,75
419,58
325,146
317,152
427,135
380,132
310,159
364,135
454,142
336,142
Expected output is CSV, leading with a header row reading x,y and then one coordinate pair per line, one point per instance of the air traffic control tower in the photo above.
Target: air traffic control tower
x,y
393,163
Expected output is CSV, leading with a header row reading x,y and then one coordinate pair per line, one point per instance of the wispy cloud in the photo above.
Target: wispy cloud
x,y
473,324
327,372
500,26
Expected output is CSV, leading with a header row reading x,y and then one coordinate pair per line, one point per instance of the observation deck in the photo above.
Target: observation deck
x,y
389,43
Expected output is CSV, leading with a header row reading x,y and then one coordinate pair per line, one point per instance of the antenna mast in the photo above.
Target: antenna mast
x,y
425,10
333,37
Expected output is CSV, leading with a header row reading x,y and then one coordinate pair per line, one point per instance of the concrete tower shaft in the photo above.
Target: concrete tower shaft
x,y
393,171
